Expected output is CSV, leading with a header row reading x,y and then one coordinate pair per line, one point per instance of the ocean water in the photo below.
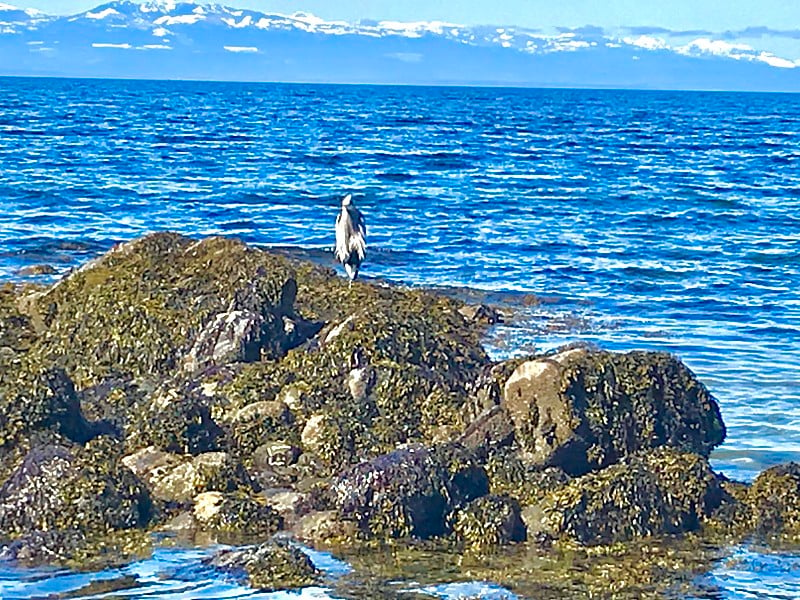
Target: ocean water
x,y
634,220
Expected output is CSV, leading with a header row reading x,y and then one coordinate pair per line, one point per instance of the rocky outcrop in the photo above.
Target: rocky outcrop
x,y
33,399
489,521
247,392
237,512
142,307
774,500
583,410
179,478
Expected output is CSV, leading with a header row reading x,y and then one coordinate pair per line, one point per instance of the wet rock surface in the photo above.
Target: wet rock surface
x,y
275,565
209,386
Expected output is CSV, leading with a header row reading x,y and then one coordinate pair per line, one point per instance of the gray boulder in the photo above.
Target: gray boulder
x,y
583,410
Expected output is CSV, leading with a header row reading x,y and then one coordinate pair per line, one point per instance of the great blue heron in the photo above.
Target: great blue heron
x,y
351,237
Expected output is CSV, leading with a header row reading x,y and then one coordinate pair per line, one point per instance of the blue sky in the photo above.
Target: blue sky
x,y
772,25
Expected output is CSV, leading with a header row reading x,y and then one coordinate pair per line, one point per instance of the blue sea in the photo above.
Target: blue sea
x,y
637,219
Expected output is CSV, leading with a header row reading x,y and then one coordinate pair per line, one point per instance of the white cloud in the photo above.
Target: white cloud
x,y
120,46
776,61
161,32
716,47
241,48
154,47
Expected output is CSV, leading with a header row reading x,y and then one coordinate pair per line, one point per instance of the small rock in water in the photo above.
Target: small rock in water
x,y
34,270
481,313
274,565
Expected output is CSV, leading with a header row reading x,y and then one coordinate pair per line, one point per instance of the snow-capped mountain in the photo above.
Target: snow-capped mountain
x,y
190,40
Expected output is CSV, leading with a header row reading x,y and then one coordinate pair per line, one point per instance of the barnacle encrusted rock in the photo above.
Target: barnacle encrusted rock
x,y
583,410
661,491
274,565
409,492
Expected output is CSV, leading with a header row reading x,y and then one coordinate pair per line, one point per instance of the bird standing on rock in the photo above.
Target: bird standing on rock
x,y
351,237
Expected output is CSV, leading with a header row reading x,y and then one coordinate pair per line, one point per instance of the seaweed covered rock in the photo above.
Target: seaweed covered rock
x,y
662,491
510,475
179,478
774,500
239,512
83,488
141,308
175,417
34,398
489,521
274,565
76,548
410,491
325,527
407,326
583,410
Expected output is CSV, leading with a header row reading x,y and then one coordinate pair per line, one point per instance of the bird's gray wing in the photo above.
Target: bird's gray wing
x,y
358,239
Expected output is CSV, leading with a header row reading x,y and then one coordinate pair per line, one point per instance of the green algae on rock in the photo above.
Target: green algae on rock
x,y
76,549
239,512
34,398
657,492
410,491
179,478
510,475
81,488
774,499
271,566
583,410
225,369
488,522
138,308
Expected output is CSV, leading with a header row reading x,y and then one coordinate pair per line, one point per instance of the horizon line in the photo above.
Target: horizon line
x,y
471,85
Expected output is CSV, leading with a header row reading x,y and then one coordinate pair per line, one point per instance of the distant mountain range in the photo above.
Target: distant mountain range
x,y
187,40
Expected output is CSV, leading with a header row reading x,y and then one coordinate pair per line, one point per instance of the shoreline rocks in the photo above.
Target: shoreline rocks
x,y
210,386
